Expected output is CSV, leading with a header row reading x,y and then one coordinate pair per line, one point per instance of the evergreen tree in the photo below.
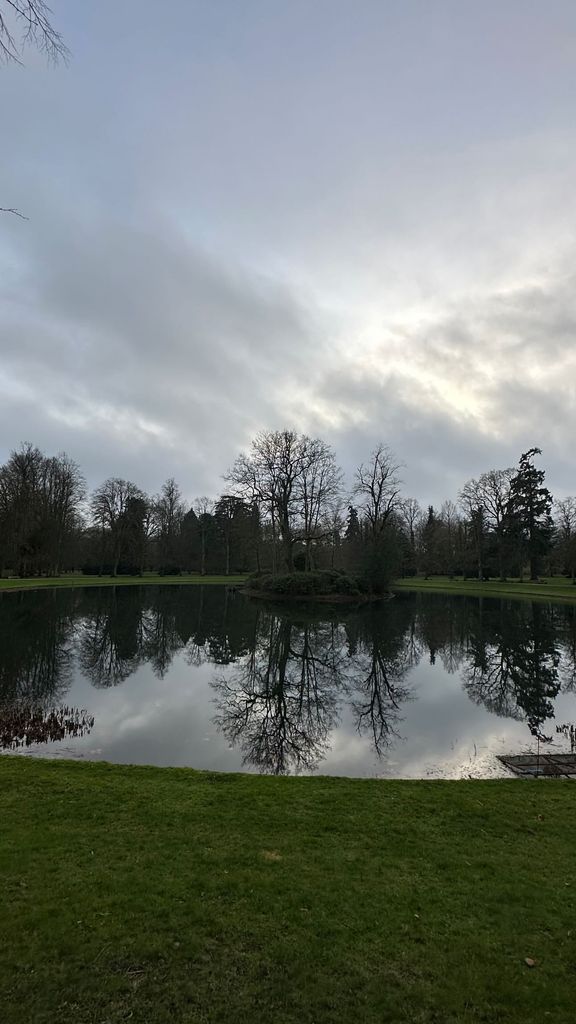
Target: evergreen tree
x,y
530,510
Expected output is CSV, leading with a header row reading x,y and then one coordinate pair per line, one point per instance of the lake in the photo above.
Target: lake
x,y
422,686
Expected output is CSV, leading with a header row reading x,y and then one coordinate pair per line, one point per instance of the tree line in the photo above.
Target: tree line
x,y
285,508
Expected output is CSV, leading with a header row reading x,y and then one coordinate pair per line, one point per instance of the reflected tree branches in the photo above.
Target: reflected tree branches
x,y
283,700
285,681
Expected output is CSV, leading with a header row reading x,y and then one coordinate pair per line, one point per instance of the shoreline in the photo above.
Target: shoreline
x,y
316,598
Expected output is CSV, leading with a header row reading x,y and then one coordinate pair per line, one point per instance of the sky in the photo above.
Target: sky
x,y
351,219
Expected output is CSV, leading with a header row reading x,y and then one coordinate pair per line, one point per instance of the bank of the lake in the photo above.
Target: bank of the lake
x,y
548,589
551,588
19,583
166,895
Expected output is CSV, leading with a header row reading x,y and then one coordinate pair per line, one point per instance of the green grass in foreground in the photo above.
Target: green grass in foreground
x,y
551,588
161,896
76,580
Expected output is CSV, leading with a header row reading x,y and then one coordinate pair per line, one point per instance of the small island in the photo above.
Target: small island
x,y
328,585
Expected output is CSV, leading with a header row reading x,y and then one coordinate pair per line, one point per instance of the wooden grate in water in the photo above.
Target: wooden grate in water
x,y
541,764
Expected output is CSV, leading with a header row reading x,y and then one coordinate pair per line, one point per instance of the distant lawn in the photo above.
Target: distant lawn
x,y
551,588
77,580
166,896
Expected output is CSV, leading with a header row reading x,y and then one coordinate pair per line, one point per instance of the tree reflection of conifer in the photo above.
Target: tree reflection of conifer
x,y
513,662
280,702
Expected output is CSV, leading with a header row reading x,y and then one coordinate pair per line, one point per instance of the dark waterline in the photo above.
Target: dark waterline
x,y
426,685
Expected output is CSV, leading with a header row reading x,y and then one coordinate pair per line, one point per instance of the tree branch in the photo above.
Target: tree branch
x,y
10,209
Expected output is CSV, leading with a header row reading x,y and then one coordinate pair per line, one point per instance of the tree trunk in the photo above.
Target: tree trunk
x,y
287,542
500,560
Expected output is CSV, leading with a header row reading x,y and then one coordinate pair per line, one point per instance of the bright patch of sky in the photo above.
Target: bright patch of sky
x,y
357,219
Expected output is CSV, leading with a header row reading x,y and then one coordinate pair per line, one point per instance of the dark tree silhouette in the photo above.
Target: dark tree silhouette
x,y
530,510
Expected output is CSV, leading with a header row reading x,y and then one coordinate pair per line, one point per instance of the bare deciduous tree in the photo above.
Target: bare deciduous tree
x,y
168,511
294,480
411,515
317,493
378,488
110,505
471,502
40,503
565,523
204,510
486,503
33,18
30,19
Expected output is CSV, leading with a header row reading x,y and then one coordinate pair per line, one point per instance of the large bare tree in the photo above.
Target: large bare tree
x,y
168,511
40,505
377,489
111,506
295,481
204,510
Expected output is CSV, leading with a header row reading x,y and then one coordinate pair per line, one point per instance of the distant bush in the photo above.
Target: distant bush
x,y
107,569
319,583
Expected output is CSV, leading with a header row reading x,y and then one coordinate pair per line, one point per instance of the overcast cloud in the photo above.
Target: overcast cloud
x,y
356,219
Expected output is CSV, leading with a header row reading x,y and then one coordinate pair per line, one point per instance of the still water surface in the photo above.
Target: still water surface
x,y
425,685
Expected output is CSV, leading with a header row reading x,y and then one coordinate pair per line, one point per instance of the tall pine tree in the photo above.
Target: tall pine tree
x,y
530,510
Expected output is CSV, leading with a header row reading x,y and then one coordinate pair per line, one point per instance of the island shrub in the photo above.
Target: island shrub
x,y
317,583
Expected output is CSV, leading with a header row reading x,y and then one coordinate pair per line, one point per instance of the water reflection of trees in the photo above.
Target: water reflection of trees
x,y
37,649
287,678
36,665
151,625
383,652
281,702
514,656
513,662
22,725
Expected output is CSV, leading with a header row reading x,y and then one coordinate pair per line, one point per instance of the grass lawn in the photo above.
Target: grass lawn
x,y
164,895
76,580
551,588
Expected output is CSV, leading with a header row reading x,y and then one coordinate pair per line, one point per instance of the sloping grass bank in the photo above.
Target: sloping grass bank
x,y
161,896
552,588
36,583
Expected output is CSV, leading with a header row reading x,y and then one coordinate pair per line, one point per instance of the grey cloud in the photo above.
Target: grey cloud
x,y
132,335
513,353
207,228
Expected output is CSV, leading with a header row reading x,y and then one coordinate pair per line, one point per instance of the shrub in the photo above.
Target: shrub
x,y
323,582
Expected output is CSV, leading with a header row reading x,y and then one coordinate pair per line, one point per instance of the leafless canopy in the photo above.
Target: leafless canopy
x,y
295,481
378,488
30,20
